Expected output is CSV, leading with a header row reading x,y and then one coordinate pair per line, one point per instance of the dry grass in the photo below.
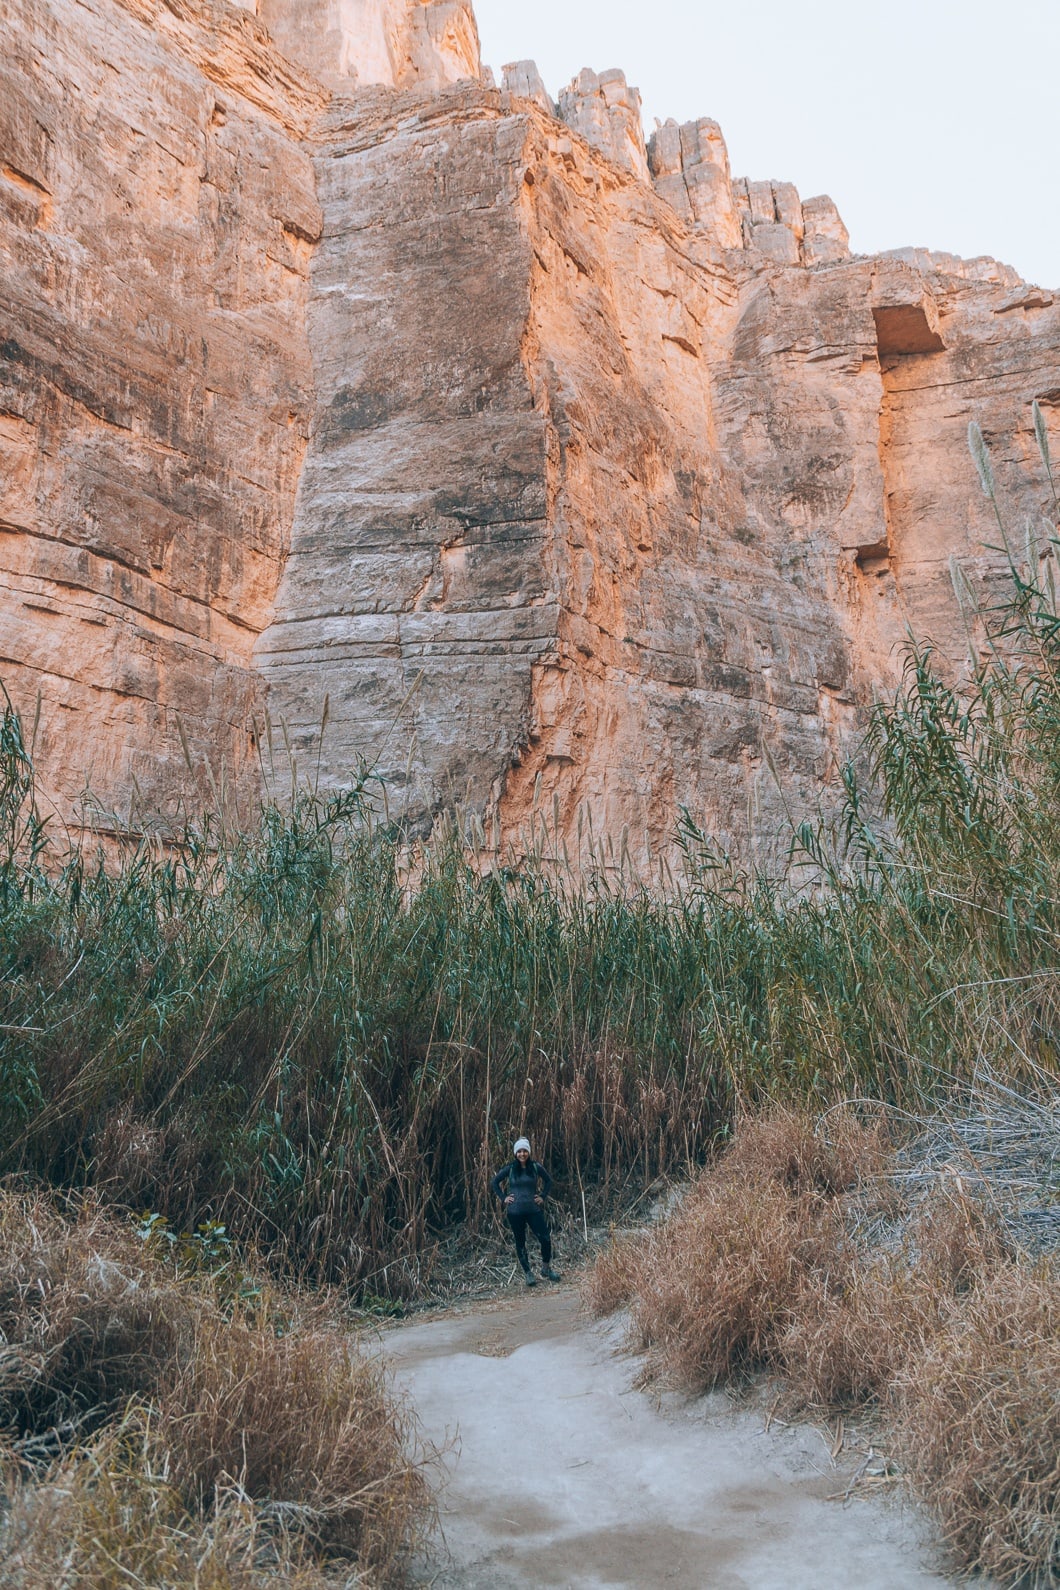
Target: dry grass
x,y
747,1229
953,1240
190,1437
939,1321
786,1148
88,1316
845,1344
979,1425
713,1291
302,1423
106,1516
611,1281
839,1349
711,1288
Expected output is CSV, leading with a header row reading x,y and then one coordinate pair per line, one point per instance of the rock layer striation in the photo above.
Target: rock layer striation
x,y
546,468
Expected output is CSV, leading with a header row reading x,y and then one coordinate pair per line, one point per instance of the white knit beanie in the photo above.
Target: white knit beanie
x,y
521,1142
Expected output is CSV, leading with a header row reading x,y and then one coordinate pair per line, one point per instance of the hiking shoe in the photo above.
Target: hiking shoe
x,y
531,1279
549,1274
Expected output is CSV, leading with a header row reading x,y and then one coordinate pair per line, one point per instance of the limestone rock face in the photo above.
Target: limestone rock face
x,y
825,239
522,80
398,43
157,221
417,592
548,471
605,111
690,168
648,540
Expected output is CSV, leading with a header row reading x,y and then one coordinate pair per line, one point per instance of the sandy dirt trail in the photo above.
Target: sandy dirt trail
x,y
559,1474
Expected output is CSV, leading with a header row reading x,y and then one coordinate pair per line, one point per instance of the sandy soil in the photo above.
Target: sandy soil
x,y
558,1474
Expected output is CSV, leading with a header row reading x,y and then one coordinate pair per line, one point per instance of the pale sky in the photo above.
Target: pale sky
x,y
930,122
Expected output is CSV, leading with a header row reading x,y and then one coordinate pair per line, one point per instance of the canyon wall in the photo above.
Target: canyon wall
x,y
157,221
538,465
351,44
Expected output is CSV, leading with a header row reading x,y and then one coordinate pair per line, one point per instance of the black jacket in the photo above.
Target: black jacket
x,y
522,1185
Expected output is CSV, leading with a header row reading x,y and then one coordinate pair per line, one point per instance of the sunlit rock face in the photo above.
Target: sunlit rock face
x,y
157,223
395,43
605,110
550,469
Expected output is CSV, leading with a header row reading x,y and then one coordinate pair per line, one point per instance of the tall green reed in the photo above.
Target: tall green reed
x,y
299,1030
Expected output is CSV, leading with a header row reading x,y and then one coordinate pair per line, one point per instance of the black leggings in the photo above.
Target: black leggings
x,y
539,1226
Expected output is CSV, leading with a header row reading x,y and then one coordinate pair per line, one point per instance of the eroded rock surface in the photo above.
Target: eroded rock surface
x,y
418,589
558,470
357,43
157,220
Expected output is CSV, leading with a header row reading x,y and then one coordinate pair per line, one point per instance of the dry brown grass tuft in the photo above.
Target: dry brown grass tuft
x,y
712,1288
196,1439
302,1423
979,1424
106,1517
954,1240
789,1148
87,1319
951,1333
611,1282
845,1345
716,1282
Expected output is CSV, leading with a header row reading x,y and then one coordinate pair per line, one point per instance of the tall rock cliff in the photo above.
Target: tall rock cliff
x,y
548,465
157,223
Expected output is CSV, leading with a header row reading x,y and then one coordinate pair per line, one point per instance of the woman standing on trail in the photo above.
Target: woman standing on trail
x,y
524,1206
